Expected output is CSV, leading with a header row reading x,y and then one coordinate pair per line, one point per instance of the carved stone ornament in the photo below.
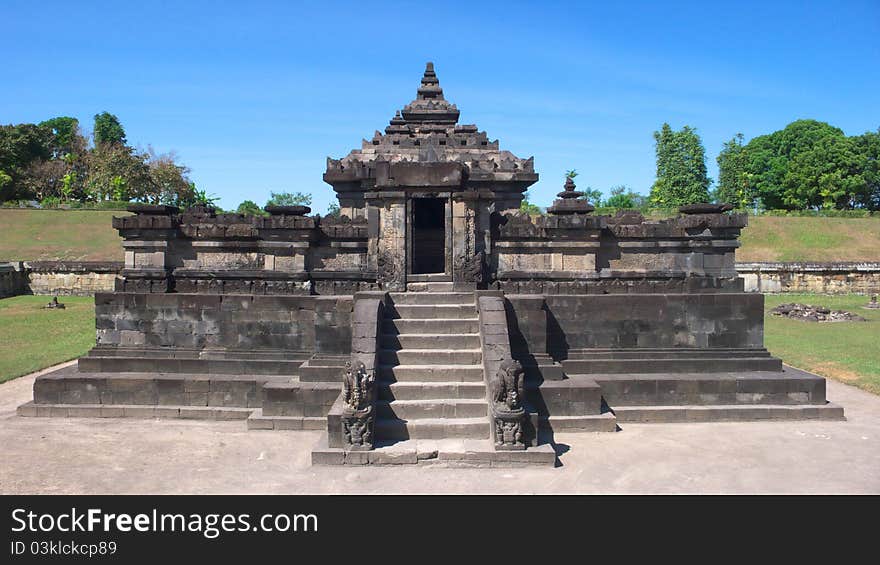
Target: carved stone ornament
x,y
470,269
508,415
358,392
389,272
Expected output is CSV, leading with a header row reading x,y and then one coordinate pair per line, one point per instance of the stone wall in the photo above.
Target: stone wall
x,y
830,278
72,278
13,279
58,278
724,320
230,322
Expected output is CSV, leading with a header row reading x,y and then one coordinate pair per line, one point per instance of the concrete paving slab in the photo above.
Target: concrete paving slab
x,y
129,455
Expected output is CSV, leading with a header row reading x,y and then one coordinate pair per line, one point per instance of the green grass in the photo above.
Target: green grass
x,y
845,351
33,235
769,238
32,338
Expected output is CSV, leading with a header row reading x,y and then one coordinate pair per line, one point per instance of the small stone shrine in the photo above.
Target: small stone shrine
x,y
431,321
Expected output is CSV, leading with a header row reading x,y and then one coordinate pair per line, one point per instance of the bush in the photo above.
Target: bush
x,y
50,202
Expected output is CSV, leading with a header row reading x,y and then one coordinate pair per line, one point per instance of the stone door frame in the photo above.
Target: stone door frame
x,y
446,196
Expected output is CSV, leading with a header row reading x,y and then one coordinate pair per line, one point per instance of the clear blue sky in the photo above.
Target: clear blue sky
x,y
254,96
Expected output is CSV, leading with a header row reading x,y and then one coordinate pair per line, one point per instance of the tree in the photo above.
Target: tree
x,y
117,172
733,181
169,181
621,197
66,136
250,208
681,168
20,146
527,207
809,164
593,195
108,130
868,148
288,199
333,210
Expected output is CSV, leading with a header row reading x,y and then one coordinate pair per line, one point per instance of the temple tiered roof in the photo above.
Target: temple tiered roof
x,y
426,130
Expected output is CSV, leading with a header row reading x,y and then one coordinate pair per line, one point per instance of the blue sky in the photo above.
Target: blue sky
x,y
253,96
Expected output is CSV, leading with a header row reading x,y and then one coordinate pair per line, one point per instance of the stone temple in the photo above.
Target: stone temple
x,y
431,321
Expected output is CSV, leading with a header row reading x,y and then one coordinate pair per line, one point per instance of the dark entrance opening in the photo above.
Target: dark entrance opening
x,y
428,235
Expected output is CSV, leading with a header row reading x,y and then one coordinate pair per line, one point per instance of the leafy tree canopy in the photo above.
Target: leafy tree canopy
x,y
289,199
250,208
108,130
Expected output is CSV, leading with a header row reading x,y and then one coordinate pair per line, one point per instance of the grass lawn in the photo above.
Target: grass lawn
x,y
32,338
769,238
845,351
49,235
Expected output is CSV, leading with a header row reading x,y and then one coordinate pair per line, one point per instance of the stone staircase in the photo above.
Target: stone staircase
x,y
430,372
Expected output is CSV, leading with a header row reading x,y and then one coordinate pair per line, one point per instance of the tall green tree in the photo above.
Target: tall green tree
x,y
289,199
108,130
733,180
681,168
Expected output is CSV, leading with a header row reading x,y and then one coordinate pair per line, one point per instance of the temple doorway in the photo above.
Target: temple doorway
x,y
428,235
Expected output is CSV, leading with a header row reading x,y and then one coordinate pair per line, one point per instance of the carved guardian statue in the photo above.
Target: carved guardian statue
x,y
358,392
508,414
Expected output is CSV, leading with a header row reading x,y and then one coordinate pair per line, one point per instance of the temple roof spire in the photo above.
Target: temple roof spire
x,y
430,107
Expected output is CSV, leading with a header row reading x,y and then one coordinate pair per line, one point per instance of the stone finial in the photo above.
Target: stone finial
x,y
569,201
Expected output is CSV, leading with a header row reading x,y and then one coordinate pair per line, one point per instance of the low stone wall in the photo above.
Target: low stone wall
x,y
224,322
58,278
72,278
13,279
829,278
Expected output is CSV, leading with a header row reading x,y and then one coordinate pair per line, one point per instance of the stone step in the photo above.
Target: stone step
x,y
433,311
133,411
640,353
443,452
433,326
434,408
431,356
260,421
70,386
421,390
322,370
432,428
427,287
407,298
790,387
430,341
120,364
605,422
683,364
432,373
727,413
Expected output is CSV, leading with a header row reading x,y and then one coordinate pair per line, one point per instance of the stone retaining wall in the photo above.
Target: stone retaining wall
x,y
58,278
830,278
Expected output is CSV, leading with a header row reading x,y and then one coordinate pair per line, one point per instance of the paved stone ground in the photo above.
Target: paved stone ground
x,y
43,455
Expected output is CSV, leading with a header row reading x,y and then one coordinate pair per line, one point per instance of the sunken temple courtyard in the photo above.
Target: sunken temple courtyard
x,y
431,321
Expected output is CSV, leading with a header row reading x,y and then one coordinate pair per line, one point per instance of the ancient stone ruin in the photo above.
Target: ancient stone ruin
x,y
809,313
431,321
